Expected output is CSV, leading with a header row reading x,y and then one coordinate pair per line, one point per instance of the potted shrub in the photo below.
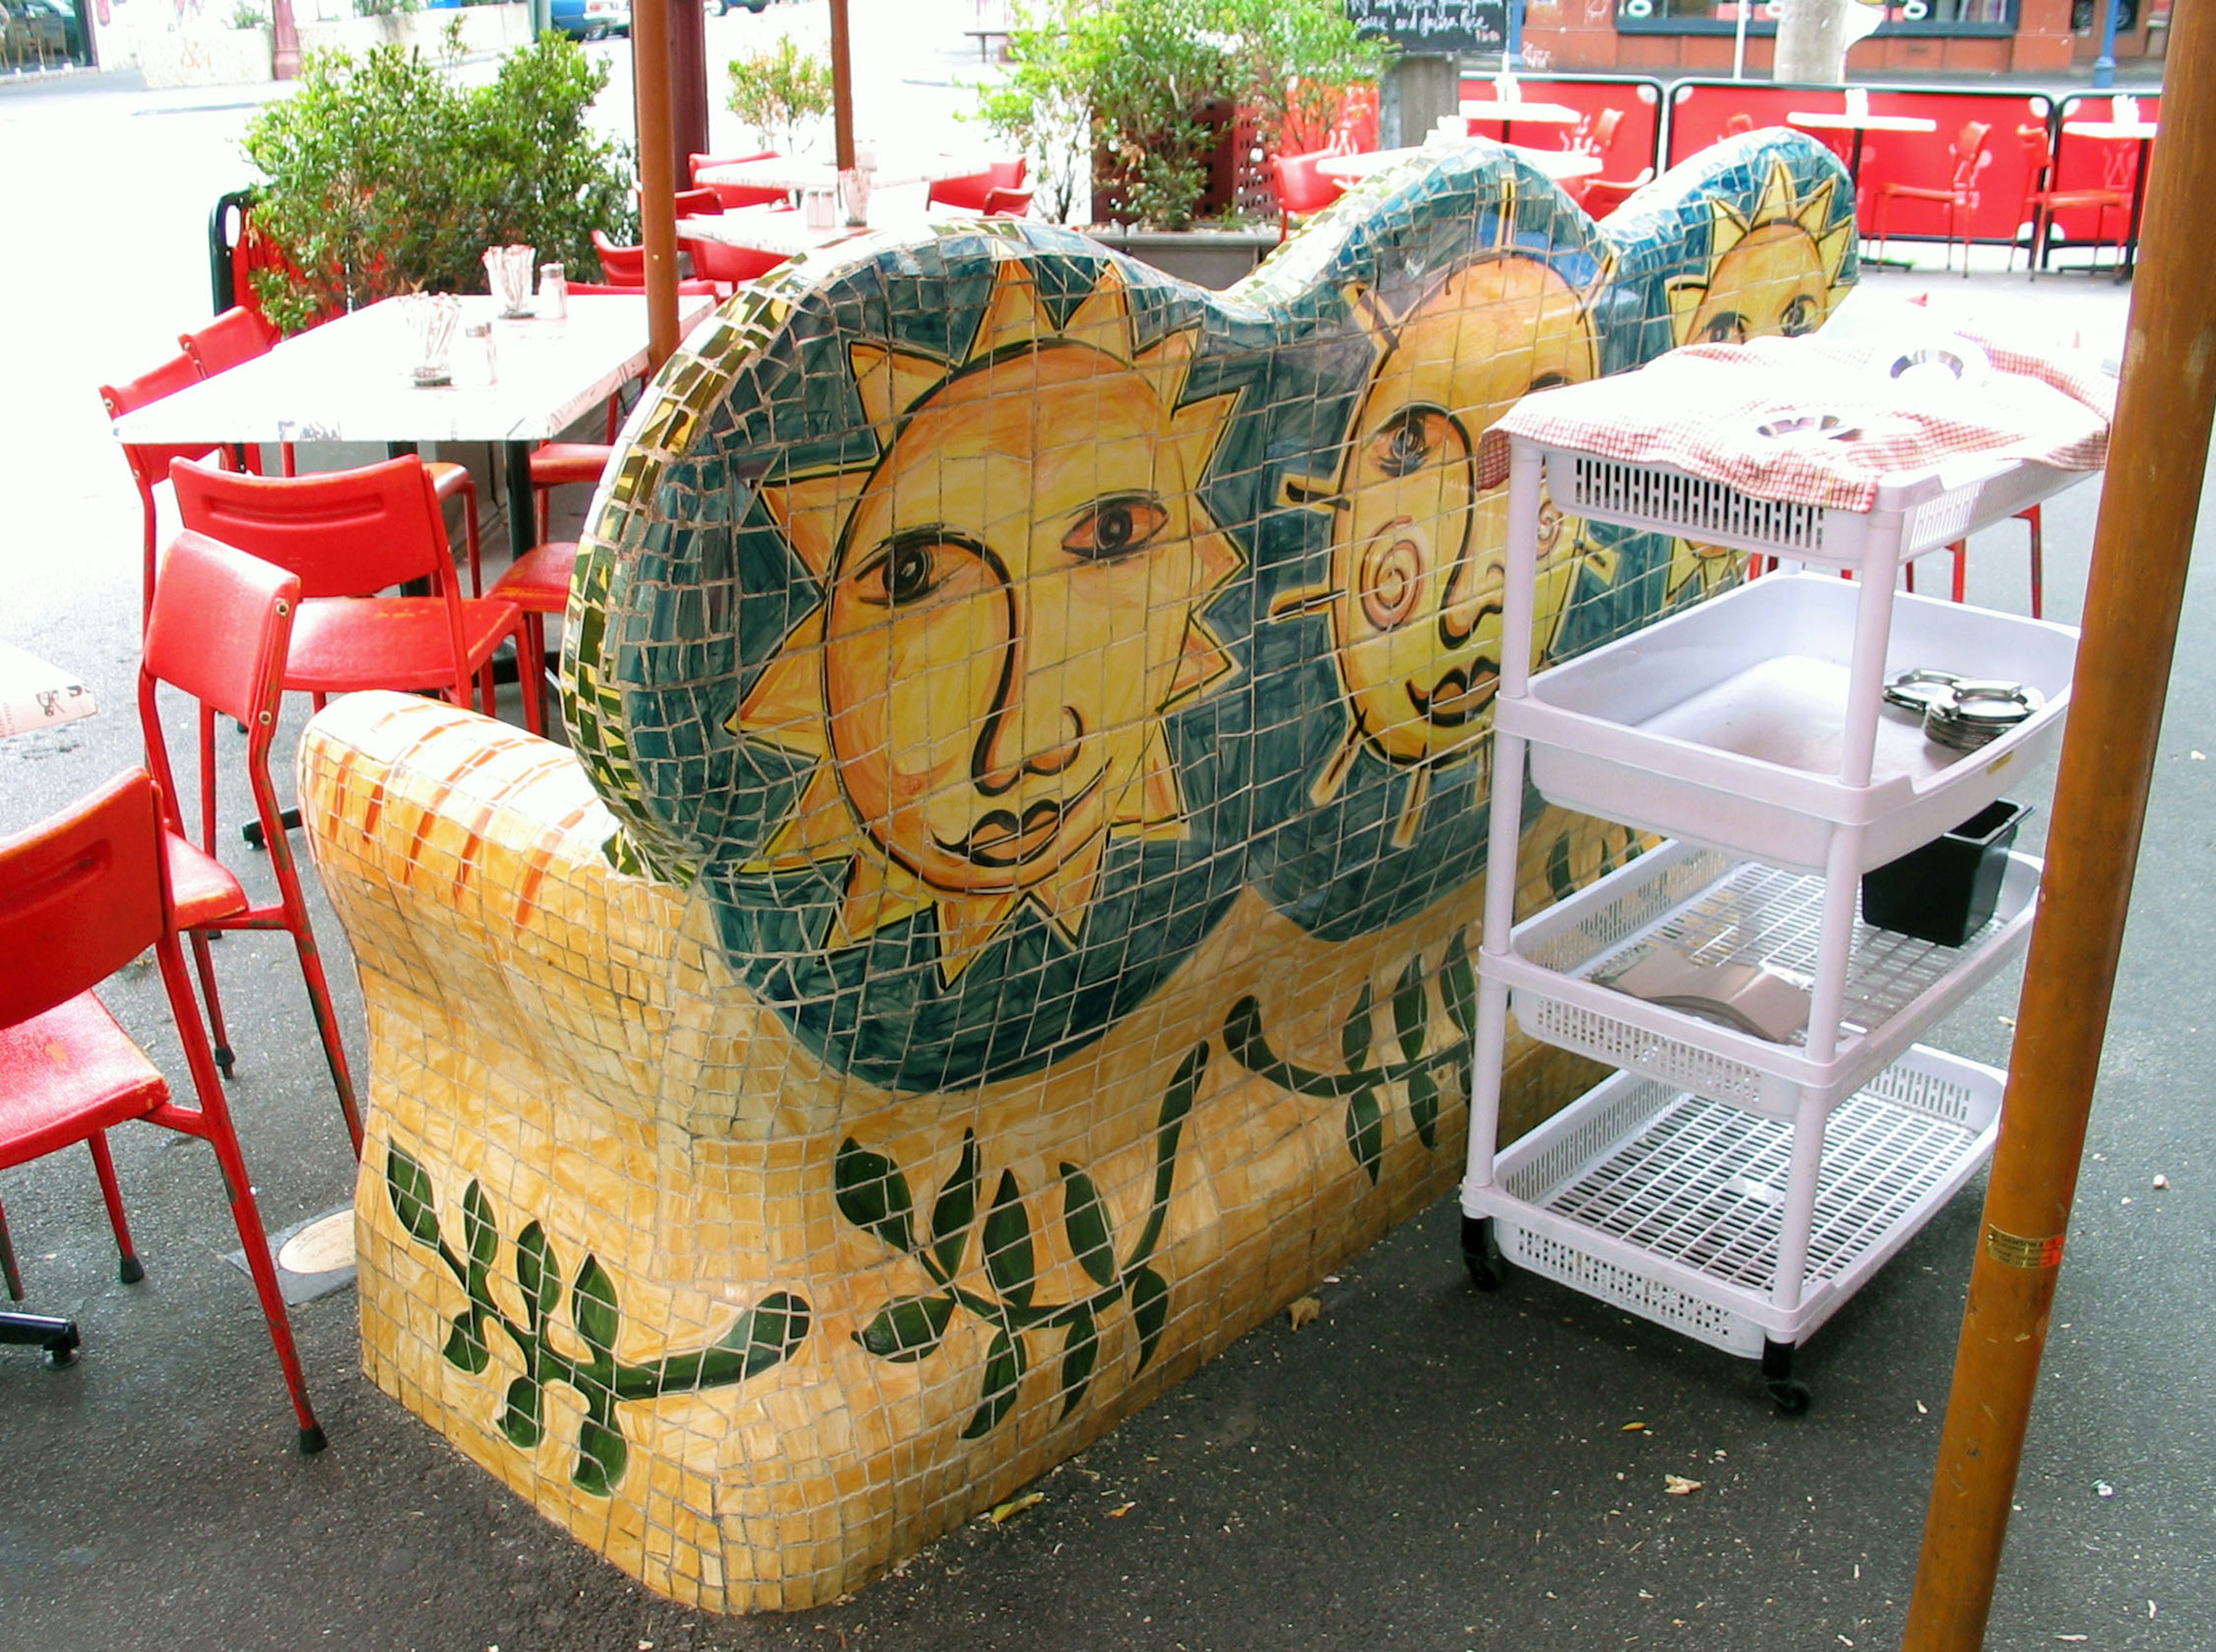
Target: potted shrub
x,y
782,94
383,175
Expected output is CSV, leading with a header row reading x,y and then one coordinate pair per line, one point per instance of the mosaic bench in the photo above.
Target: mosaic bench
x,y
1005,925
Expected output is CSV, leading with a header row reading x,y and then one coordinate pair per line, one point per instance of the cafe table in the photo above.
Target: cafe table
x,y
2141,133
1560,164
1509,114
1857,122
799,176
774,229
349,380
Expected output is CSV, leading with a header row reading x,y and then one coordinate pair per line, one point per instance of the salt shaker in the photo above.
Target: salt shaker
x,y
483,331
553,293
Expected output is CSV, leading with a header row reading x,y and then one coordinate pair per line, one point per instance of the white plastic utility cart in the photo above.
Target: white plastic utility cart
x,y
1735,1187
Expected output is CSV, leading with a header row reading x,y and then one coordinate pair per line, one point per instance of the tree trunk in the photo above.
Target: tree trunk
x,y
1812,42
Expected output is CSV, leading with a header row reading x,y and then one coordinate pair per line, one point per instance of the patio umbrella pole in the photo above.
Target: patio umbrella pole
x,y
2157,455
657,184
842,91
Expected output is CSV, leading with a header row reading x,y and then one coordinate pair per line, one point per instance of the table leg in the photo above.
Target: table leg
x,y
522,509
2132,237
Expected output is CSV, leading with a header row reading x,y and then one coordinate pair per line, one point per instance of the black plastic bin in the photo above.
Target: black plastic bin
x,y
1946,891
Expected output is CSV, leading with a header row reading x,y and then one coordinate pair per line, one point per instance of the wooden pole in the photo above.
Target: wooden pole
x,y
688,87
657,183
842,89
2158,457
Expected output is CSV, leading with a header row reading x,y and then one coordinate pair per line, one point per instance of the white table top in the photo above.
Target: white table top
x,y
2141,131
35,695
1487,108
765,229
787,173
1558,163
348,380
1841,121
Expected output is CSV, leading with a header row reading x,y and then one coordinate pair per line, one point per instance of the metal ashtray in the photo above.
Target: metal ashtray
x,y
1960,712
1813,427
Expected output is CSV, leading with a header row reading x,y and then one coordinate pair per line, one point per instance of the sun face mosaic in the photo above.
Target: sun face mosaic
x,y
1006,924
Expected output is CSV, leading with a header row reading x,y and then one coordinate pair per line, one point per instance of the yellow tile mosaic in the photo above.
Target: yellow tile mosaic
x,y
1006,926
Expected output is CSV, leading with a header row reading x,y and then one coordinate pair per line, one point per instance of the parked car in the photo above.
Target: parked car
x,y
591,19
722,8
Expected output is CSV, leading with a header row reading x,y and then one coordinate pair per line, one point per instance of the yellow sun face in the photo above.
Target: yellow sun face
x,y
1774,272
1421,515
1012,603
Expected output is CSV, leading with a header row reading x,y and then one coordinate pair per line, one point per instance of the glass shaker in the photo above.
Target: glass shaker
x,y
478,352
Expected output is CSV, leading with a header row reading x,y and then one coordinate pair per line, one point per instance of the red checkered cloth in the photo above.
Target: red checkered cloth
x,y
1810,421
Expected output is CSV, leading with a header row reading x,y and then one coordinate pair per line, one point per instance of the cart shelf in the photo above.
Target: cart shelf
x,y
1718,910
1724,724
1935,507
1671,1205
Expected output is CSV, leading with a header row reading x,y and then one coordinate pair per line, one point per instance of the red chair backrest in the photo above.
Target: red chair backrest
x,y
695,202
1738,123
734,194
1969,149
1603,131
150,463
218,631
687,287
238,334
1007,203
717,260
81,895
971,192
346,533
1300,187
2038,153
624,266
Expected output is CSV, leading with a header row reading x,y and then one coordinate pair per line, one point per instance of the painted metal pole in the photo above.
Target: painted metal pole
x,y
2158,457
842,89
657,181
1738,41
2104,66
1513,57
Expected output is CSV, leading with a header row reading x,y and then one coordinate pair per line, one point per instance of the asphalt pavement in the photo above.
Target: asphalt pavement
x,y
1423,1467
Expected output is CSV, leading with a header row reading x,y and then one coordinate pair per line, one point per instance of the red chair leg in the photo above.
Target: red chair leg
x,y
469,539
531,675
8,1269
103,1165
1908,577
204,967
2038,558
1961,570
327,1020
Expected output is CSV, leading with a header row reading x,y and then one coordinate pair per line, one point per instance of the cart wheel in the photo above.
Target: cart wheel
x,y
1791,1397
1487,1269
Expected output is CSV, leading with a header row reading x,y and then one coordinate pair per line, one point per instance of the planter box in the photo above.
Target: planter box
x,y
1208,258
215,57
485,29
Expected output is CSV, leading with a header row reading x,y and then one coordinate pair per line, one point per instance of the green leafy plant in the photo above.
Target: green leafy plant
x,y
873,1194
1364,1076
764,1336
383,175
250,14
780,93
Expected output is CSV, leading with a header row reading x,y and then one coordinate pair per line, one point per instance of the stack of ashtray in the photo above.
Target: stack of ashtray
x,y
1963,712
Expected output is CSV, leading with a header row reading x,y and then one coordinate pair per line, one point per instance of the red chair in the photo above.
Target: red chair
x,y
220,630
969,194
1959,197
1738,125
1008,203
622,266
349,534
729,267
1300,188
149,462
736,194
240,335
82,895
539,585
691,203
689,287
2041,201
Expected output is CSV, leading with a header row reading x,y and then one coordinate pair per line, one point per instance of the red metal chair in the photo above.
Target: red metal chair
x,y
691,202
622,266
1959,197
150,463
539,585
1738,125
1300,188
736,194
2041,201
82,895
349,535
1008,203
688,287
220,629
240,335
969,193
729,267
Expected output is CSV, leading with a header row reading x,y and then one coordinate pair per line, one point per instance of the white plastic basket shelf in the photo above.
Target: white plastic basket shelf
x,y
1717,910
1725,724
1669,1205
1935,507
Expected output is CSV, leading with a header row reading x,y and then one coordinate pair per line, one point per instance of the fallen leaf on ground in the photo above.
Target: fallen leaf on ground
x,y
2162,1182
1677,1485
1633,1428
1304,1310
1120,1510
1003,1513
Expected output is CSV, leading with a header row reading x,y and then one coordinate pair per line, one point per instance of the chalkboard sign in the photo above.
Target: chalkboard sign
x,y
1441,27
